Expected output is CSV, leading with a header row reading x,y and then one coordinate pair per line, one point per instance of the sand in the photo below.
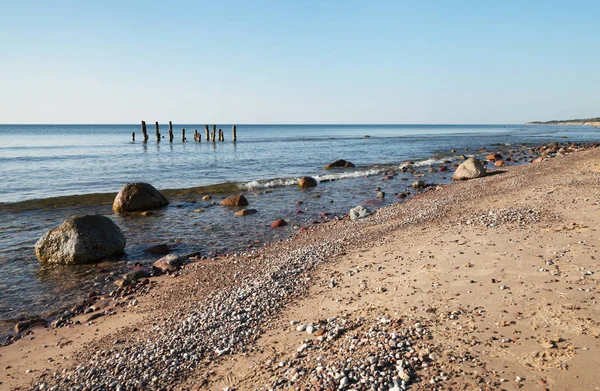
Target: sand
x,y
502,271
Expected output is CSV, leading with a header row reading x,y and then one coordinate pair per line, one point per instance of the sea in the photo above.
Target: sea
x,y
51,172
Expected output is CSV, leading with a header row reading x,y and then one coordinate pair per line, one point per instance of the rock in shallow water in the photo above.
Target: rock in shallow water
x,y
138,196
339,164
238,200
246,212
307,181
81,239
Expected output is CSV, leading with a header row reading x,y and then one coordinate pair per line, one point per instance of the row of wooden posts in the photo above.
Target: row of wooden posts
x,y
209,136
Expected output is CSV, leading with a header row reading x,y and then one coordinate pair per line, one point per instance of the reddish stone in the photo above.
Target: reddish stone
x,y
238,200
278,223
443,168
499,163
493,157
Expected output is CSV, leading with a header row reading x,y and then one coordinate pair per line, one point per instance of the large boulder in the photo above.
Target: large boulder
x,y
81,239
339,164
307,181
238,200
138,196
469,169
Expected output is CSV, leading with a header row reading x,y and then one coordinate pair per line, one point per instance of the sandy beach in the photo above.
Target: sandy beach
x,y
484,284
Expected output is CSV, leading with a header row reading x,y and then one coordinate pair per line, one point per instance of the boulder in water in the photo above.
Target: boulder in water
x,y
81,239
469,169
359,212
238,200
307,181
339,164
138,196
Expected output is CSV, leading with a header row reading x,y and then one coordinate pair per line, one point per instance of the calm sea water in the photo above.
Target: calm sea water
x,y
43,167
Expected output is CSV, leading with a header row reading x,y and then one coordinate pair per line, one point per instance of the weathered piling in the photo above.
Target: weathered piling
x,y
221,138
183,139
144,132
206,133
212,135
157,133
196,136
233,134
133,136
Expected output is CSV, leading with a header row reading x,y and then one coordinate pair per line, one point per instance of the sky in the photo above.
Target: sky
x,y
398,62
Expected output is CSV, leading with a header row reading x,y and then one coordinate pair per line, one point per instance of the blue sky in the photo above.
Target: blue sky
x,y
298,61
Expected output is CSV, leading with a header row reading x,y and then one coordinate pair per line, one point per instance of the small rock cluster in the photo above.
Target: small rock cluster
x,y
495,218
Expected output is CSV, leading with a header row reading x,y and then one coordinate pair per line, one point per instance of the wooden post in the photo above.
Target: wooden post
x,y
157,133
212,136
133,136
144,132
170,126
221,135
183,135
196,135
206,134
233,134
171,136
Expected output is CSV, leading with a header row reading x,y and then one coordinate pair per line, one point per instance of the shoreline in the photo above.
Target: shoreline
x,y
309,251
420,169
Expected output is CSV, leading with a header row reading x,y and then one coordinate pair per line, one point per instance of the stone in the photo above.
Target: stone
x,y
359,212
493,157
278,223
237,200
81,239
207,198
24,325
246,212
307,181
339,164
419,184
159,249
170,263
538,159
499,163
133,276
138,196
469,169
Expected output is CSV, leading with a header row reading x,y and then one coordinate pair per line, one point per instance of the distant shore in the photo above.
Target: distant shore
x,y
595,122
496,272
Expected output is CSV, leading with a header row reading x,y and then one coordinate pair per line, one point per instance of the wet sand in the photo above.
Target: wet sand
x,y
493,282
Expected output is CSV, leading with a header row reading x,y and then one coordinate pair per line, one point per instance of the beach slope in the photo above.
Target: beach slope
x,y
484,284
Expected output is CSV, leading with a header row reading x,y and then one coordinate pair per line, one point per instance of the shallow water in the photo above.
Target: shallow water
x,y
49,173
